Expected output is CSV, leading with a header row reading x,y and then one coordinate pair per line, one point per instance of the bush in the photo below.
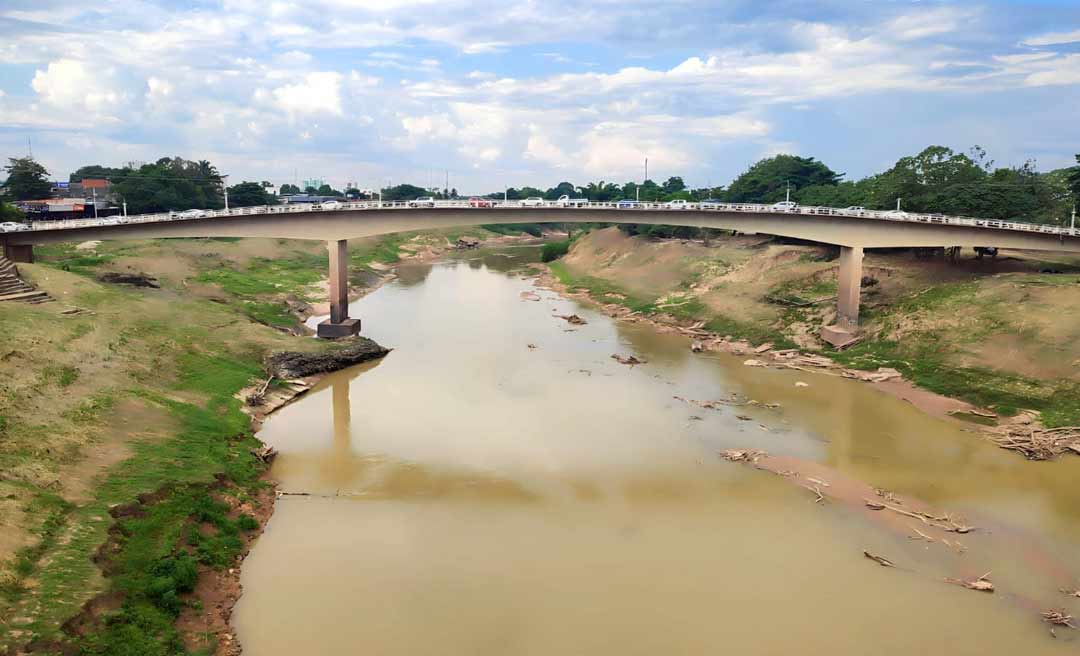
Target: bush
x,y
553,250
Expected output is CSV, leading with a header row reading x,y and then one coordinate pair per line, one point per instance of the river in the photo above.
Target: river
x,y
471,494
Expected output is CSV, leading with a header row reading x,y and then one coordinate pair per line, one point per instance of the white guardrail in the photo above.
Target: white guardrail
x,y
620,207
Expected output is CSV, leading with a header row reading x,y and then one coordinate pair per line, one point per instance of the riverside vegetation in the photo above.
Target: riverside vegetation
x,y
126,460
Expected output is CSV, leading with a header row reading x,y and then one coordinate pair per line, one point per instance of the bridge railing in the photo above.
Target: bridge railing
x,y
619,206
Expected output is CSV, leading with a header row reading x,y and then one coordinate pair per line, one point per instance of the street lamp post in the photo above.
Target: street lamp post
x,y
94,190
125,208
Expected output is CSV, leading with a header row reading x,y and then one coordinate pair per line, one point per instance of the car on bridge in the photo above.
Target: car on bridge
x,y
12,226
786,206
423,201
711,202
480,202
533,201
566,201
328,205
191,214
855,208
677,204
897,214
627,204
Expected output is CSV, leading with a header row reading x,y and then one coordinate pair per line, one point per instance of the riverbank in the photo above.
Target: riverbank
x,y
937,327
121,392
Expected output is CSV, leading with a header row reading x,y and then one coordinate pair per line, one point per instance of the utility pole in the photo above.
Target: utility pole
x,y
94,190
787,198
1072,224
898,204
446,189
125,208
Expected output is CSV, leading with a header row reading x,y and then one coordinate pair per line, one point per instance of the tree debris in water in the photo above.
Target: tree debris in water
x,y
626,359
532,346
981,584
880,560
572,319
888,496
1071,592
944,522
1037,443
1058,617
742,455
800,383
529,296
744,417
754,363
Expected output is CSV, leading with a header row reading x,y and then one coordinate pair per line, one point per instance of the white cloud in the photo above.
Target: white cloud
x,y
319,93
1054,38
1056,72
72,85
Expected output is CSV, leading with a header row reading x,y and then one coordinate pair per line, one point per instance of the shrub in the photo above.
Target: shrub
x,y
553,250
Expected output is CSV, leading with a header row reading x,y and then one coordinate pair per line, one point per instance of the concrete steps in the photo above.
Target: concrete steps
x,y
13,288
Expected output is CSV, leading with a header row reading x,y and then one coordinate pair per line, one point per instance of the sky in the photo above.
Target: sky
x,y
497,93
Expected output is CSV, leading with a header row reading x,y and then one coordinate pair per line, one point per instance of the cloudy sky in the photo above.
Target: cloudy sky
x,y
508,92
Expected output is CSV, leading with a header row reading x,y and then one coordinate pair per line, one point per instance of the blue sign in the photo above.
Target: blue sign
x,y
62,185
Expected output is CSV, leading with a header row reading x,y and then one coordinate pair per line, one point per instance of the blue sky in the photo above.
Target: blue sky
x,y
503,92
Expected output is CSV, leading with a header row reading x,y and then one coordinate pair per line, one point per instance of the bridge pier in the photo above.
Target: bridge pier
x,y
339,324
20,253
849,293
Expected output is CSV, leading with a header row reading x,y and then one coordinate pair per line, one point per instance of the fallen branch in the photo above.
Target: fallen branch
x,y
880,560
981,584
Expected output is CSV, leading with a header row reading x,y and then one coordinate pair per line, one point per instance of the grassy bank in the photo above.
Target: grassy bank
x,y
1001,334
114,393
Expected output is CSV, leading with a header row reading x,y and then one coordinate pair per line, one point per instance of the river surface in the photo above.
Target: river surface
x,y
470,495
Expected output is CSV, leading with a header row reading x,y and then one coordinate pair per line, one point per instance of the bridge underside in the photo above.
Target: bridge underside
x,y
853,235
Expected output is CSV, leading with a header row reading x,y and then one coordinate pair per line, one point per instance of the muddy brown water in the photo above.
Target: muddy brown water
x,y
471,495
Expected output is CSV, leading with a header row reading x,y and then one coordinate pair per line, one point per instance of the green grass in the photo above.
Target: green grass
x,y
213,440
691,309
924,362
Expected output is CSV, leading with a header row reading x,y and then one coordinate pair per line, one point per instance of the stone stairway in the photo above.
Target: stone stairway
x,y
13,288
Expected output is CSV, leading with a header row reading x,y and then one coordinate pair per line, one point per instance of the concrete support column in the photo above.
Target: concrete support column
x,y
21,253
339,280
339,324
849,291
849,285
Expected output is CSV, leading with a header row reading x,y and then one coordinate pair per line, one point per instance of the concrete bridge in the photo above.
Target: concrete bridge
x,y
851,230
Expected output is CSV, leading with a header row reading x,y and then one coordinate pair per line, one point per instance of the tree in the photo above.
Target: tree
x,y
1074,181
767,180
249,194
288,189
170,184
674,185
95,171
9,212
27,180
404,192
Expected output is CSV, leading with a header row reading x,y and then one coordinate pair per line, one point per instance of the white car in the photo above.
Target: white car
x,y
423,201
110,220
191,214
897,214
785,206
566,201
11,226
533,201
678,204
330,205
855,208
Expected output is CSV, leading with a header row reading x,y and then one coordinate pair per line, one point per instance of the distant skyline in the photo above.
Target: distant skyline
x,y
507,93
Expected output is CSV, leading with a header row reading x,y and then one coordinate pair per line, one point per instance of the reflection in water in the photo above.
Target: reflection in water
x,y
477,496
